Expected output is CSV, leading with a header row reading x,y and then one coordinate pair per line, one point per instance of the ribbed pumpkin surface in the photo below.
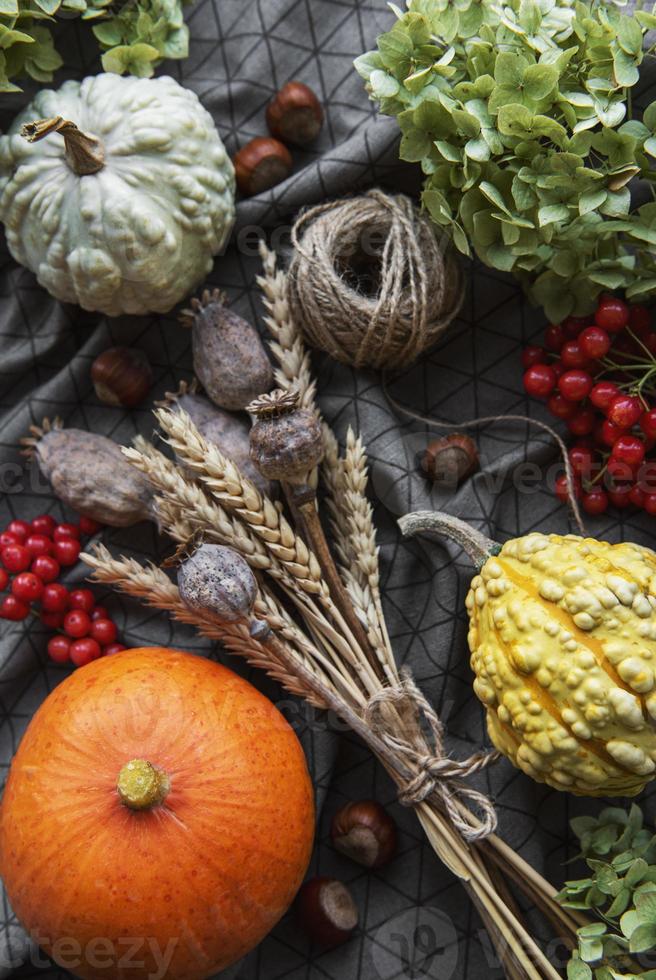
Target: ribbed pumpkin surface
x,y
563,642
210,870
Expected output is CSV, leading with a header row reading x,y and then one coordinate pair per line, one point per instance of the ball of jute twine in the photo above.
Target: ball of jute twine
x,y
371,282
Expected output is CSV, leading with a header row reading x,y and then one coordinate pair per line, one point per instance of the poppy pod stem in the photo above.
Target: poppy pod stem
x,y
302,500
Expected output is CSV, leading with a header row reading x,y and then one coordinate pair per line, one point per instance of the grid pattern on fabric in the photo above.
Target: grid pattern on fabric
x,y
241,52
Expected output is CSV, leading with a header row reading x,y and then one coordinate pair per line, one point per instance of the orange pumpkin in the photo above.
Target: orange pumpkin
x,y
157,821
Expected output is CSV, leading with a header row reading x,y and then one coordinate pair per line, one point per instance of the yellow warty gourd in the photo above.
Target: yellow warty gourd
x,y
563,645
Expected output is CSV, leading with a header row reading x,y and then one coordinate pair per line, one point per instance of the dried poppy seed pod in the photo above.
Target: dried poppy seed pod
x,y
450,460
89,473
229,433
229,358
218,579
286,441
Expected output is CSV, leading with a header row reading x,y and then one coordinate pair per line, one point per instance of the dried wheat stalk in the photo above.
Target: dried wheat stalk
x,y
287,346
152,586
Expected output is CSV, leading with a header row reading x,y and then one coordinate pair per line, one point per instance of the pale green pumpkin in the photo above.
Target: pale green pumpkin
x,y
123,211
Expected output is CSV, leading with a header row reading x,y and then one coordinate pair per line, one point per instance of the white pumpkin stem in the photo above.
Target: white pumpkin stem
x,y
85,154
477,545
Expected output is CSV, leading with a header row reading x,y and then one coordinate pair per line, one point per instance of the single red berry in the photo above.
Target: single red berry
x,y
637,496
573,325
53,620
66,531
89,527
55,598
647,476
532,355
603,394
27,587
582,460
649,504
13,608
620,471
20,529
595,501
39,544
43,524
648,423
572,356
67,551
575,385
16,558
46,567
630,449
625,411
620,496
99,613
612,314
554,338
560,407
82,652
594,342
6,539
610,433
59,649
77,623
4,580
83,599
104,631
639,318
561,489
583,423
540,380
113,648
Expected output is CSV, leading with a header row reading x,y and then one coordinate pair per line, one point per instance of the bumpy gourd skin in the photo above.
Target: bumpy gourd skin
x,y
140,234
563,642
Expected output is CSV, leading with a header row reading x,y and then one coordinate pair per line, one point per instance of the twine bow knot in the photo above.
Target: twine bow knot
x,y
419,742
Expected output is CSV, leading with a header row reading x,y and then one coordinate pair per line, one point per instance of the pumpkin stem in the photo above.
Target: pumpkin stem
x,y
141,786
477,545
84,154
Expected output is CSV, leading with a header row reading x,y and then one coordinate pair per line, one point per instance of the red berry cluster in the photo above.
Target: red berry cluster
x,y
598,375
32,556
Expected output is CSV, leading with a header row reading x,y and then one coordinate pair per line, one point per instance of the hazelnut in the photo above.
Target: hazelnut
x,y
261,164
365,832
326,911
122,376
450,460
295,115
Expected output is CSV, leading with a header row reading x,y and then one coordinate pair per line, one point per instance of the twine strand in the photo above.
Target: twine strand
x,y
434,773
486,420
418,285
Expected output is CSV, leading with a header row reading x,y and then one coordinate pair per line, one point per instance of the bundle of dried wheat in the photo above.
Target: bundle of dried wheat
x,y
314,620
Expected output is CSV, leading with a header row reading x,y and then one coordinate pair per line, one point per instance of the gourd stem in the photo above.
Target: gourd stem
x,y
141,786
85,154
477,545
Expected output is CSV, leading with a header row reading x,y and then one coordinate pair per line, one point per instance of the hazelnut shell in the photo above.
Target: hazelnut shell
x,y
326,911
122,376
294,115
365,832
261,164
